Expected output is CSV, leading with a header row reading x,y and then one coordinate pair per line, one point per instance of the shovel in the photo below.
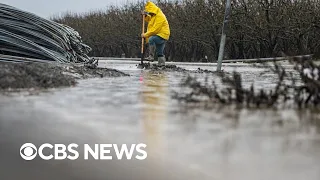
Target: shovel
x,y
142,43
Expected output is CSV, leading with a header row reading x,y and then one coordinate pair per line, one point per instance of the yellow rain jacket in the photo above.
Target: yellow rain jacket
x,y
158,24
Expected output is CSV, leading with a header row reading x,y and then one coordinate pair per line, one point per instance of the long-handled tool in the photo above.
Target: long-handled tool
x,y
142,41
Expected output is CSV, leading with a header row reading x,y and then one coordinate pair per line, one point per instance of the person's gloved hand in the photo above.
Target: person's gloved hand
x,y
144,13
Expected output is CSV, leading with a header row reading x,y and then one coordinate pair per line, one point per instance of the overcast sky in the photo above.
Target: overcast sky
x,y
48,8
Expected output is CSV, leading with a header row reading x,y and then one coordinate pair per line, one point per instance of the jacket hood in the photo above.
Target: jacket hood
x,y
151,8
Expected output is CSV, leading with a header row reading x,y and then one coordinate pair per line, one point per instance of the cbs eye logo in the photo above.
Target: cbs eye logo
x,y
28,151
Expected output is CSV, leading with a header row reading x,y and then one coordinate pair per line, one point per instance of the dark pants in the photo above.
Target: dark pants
x,y
159,42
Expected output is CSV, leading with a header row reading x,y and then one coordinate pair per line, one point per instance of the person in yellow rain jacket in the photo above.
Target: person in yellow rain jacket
x,y
158,31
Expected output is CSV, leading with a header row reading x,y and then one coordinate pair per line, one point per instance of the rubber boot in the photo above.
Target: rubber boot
x,y
152,50
161,61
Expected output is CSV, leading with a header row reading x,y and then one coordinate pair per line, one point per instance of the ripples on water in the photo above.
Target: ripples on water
x,y
223,143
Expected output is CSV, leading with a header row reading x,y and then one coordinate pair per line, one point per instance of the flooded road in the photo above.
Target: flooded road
x,y
223,143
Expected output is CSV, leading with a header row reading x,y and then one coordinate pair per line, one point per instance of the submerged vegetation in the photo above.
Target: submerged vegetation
x,y
301,88
258,28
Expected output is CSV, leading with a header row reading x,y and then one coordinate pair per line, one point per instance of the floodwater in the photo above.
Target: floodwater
x,y
224,143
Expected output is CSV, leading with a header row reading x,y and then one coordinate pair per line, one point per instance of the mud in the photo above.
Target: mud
x,y
85,72
173,68
166,68
45,75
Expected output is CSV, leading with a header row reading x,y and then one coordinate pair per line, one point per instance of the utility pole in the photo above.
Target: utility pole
x,y
223,34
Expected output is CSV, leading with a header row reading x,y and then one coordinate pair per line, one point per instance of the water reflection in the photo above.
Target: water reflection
x,y
235,143
154,111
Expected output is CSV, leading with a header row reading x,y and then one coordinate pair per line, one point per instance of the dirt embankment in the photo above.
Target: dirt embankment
x,y
45,75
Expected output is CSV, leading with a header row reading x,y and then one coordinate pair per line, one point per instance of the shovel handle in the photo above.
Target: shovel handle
x,y
142,39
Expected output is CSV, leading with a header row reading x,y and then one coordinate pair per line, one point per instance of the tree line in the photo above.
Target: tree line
x,y
257,29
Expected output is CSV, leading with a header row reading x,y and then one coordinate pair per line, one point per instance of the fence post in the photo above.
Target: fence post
x,y
223,34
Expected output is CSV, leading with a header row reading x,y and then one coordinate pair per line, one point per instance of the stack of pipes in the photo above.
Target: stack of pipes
x,y
23,34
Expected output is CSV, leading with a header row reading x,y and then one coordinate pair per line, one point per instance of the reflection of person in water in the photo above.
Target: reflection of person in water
x,y
154,97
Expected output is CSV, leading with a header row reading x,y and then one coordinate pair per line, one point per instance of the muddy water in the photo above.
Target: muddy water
x,y
222,143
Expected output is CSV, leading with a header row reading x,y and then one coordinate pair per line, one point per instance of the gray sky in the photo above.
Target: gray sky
x,y
48,8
